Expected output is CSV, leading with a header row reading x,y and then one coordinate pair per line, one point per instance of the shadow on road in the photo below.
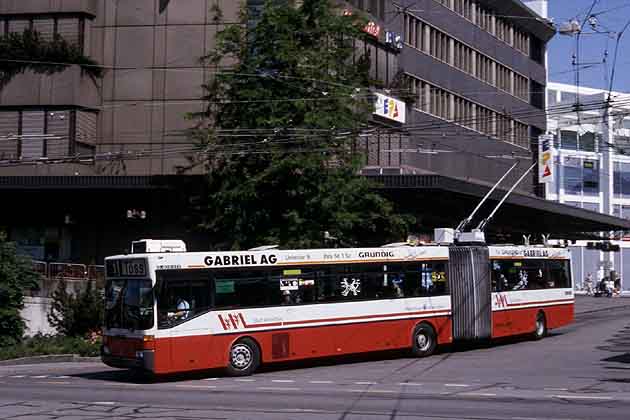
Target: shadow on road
x,y
136,377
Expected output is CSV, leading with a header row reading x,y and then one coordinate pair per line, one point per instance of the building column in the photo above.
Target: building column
x,y
606,181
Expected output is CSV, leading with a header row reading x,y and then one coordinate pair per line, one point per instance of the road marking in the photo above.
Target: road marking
x,y
374,391
277,388
16,376
39,376
457,385
581,397
321,382
556,389
245,380
61,377
409,384
211,379
104,402
283,381
479,394
55,382
365,383
196,386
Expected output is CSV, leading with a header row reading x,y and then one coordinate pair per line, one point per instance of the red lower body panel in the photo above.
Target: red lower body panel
x,y
523,320
211,351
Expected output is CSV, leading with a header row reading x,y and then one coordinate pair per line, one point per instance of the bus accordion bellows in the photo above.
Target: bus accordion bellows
x,y
183,311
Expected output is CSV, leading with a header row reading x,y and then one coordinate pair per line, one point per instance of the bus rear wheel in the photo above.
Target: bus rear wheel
x,y
424,340
540,327
244,358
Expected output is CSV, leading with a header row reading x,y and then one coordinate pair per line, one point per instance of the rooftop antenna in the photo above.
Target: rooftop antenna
x,y
462,225
481,226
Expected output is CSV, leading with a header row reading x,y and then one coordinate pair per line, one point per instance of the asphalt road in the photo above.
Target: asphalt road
x,y
579,372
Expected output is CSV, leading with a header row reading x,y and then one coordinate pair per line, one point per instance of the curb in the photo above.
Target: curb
x,y
50,358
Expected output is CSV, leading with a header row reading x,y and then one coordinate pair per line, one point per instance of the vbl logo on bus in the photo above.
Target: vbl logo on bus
x,y
232,321
501,300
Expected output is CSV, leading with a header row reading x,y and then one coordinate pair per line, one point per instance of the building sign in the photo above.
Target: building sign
x,y
394,40
545,159
390,108
372,29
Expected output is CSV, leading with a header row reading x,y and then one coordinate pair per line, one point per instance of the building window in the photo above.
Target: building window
x,y
439,45
537,98
572,176
521,87
551,97
463,57
484,69
504,78
32,134
568,140
621,180
71,29
581,177
441,103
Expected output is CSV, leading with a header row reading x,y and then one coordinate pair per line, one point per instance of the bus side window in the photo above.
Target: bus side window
x,y
558,273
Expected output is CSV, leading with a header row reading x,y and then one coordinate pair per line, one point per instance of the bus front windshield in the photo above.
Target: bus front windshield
x,y
129,304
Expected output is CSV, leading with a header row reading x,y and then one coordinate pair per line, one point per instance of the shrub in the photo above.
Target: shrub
x,y
46,344
78,313
16,275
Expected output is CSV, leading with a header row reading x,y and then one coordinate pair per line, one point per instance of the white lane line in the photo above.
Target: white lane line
x,y
196,386
277,388
104,402
245,380
283,381
581,397
17,376
365,383
61,377
374,391
479,394
556,389
211,379
457,385
39,376
321,382
409,384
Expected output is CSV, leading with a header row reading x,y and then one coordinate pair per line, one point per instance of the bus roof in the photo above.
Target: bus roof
x,y
276,257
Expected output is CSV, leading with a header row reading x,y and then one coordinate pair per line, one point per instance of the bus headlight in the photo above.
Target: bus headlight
x,y
139,355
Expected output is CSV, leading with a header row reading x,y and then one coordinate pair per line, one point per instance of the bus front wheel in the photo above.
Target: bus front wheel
x,y
424,340
244,358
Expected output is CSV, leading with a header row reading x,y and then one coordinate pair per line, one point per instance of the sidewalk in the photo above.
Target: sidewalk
x,y
585,304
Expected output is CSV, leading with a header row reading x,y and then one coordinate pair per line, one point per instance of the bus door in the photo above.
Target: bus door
x,y
470,288
183,296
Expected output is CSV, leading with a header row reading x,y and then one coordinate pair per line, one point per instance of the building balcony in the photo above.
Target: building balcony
x,y
8,7
71,87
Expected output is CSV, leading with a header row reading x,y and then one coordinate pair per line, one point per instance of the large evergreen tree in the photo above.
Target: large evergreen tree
x,y
284,121
16,275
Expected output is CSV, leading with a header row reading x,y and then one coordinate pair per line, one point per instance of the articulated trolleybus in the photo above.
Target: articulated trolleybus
x,y
180,311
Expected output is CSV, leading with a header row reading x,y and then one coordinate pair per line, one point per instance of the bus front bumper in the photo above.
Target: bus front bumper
x,y
145,360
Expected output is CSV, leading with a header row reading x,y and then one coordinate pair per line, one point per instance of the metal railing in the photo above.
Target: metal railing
x,y
75,275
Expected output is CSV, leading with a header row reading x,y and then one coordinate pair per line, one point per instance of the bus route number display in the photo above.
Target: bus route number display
x,y
127,268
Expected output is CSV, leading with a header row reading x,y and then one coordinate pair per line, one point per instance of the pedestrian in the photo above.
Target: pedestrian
x,y
588,284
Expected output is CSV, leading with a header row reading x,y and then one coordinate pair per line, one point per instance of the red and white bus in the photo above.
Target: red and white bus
x,y
182,311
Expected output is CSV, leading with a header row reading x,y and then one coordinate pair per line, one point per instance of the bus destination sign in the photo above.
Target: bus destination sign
x,y
127,268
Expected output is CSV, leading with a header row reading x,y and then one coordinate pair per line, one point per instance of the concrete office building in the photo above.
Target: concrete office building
x,y
475,71
592,159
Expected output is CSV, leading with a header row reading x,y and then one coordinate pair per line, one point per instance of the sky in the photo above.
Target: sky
x,y
596,70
